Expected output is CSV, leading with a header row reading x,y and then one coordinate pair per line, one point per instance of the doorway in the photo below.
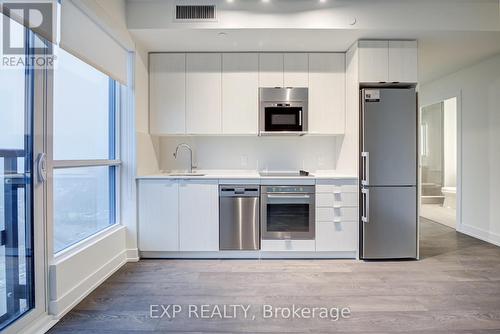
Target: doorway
x,y
438,156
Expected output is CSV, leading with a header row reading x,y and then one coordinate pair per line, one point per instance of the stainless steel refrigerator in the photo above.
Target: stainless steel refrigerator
x,y
388,210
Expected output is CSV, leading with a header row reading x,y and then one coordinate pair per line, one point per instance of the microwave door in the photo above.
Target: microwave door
x,y
287,119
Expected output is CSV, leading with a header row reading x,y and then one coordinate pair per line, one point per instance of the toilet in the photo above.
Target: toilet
x,y
450,197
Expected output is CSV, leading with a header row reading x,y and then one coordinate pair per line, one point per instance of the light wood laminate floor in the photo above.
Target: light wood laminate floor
x,y
454,288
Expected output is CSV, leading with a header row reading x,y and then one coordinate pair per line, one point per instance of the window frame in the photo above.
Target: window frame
x,y
113,163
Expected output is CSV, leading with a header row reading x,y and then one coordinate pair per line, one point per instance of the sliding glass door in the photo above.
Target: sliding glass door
x,y
21,193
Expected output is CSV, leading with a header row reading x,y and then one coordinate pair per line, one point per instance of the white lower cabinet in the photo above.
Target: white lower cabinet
x,y
337,216
178,215
158,215
198,216
336,236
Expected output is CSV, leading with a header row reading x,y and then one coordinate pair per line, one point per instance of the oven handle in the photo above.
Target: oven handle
x,y
288,196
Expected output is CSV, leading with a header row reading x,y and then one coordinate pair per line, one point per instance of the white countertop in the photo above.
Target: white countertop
x,y
246,175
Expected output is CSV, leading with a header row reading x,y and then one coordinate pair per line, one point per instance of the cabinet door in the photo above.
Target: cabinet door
x,y
403,61
167,93
203,94
240,93
373,61
158,215
296,68
199,215
326,93
271,70
336,236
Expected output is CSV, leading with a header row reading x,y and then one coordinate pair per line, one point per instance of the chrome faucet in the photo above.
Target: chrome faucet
x,y
190,170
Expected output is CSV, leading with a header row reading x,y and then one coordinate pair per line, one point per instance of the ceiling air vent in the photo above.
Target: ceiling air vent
x,y
195,12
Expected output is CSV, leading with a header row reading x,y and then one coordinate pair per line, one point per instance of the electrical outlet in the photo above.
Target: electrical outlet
x,y
244,161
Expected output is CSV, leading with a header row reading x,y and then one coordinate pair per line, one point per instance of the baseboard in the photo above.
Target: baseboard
x,y
478,233
132,255
63,305
250,255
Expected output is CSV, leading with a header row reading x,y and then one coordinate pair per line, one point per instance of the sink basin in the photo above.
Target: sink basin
x,y
185,174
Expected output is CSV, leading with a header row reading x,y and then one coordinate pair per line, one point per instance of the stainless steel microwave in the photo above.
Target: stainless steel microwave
x,y
283,111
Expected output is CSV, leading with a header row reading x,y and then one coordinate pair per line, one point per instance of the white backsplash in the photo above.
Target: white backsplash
x,y
310,153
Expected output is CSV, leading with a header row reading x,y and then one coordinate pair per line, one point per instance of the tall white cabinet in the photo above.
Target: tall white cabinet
x,y
167,93
240,93
203,93
327,93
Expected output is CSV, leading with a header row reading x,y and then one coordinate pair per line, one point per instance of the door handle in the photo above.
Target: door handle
x,y
288,196
365,218
41,167
365,156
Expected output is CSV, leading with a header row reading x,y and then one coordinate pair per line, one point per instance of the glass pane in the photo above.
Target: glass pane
x,y
81,110
288,217
83,203
16,260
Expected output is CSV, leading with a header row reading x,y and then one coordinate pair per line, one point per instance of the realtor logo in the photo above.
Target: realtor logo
x,y
37,16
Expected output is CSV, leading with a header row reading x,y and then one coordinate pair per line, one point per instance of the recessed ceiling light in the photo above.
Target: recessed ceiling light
x,y
229,1
265,1
222,34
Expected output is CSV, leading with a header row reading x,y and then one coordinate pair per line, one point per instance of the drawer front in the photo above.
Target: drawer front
x,y
288,245
342,236
336,199
337,214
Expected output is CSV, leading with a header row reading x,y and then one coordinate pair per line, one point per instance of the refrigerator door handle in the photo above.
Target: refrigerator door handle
x,y
366,168
365,218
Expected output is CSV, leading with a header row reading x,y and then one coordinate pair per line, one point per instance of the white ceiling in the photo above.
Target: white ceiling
x,y
451,33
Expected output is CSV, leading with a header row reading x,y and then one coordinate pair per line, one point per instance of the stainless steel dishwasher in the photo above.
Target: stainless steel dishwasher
x,y
239,225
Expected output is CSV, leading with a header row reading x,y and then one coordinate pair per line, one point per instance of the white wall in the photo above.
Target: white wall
x,y
479,85
253,153
450,142
147,147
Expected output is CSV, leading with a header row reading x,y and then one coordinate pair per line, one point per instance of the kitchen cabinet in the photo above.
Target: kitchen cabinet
x,y
271,69
327,93
198,215
296,70
158,215
337,216
388,61
403,61
203,93
240,93
373,61
167,106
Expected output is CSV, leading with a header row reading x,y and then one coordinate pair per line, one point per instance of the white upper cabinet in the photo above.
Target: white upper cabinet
x,y
388,61
240,93
271,70
373,61
403,61
296,69
167,84
199,215
203,93
158,216
326,93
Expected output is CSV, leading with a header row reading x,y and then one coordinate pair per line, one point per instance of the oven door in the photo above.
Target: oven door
x,y
287,216
287,118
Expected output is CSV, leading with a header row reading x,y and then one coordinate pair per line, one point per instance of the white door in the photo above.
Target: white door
x,y
296,68
403,61
199,215
203,93
167,93
240,93
373,61
327,93
158,215
271,70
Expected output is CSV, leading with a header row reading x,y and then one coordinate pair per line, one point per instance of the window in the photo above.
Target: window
x,y
84,146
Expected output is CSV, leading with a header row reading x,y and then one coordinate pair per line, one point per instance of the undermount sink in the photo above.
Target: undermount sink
x,y
185,174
